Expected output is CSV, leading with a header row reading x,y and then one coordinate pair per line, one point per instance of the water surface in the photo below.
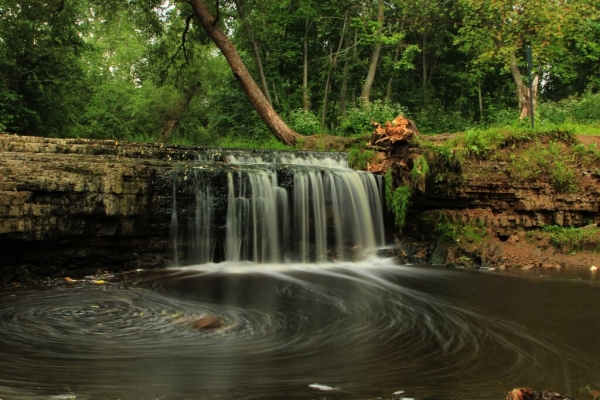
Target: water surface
x,y
368,328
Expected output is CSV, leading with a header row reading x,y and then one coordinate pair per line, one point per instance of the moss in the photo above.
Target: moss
x,y
397,200
360,158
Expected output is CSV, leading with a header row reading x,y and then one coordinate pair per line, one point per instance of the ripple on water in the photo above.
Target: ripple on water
x,y
370,329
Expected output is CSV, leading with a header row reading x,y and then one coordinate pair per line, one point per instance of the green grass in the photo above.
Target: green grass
x,y
360,158
450,231
569,239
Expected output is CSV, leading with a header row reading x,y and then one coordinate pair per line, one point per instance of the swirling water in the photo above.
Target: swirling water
x,y
368,328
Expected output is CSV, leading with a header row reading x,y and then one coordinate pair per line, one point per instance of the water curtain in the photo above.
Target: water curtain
x,y
270,207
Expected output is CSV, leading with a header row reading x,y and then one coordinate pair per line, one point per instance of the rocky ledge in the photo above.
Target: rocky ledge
x,y
76,207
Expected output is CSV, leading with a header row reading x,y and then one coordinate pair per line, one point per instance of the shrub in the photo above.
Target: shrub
x,y
304,122
359,158
358,120
397,200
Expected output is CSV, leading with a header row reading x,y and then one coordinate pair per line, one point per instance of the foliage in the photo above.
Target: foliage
x,y
360,158
359,120
581,109
419,172
304,122
126,70
550,161
436,119
570,239
450,231
397,200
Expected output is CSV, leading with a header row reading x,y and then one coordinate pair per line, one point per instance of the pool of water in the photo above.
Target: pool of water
x,y
367,329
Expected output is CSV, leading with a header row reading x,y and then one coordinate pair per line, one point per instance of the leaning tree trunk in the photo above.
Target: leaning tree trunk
x,y
523,95
255,51
269,116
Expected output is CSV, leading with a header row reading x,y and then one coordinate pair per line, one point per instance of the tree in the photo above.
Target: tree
x,y
498,31
40,72
266,111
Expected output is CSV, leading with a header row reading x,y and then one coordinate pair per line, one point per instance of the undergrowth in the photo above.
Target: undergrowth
x,y
553,155
450,231
397,200
569,239
360,158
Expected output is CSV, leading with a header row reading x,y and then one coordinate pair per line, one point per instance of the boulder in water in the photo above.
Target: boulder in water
x,y
208,322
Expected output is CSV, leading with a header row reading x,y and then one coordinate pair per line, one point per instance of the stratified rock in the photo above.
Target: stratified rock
x,y
74,207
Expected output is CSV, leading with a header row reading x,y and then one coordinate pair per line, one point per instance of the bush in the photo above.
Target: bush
x,y
579,109
397,200
304,122
436,119
358,120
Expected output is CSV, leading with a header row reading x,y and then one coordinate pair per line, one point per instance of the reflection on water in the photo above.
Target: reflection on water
x,y
370,328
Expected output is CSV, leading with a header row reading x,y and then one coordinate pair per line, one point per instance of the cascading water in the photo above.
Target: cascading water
x,y
274,207
285,329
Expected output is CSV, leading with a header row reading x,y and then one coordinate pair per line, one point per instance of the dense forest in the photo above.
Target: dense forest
x,y
147,70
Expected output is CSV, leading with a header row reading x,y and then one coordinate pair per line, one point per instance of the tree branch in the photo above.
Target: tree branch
x,y
181,47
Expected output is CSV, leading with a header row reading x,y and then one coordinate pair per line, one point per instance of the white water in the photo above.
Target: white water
x,y
323,212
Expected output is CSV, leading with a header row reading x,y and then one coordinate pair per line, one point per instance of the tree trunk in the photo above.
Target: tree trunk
x,y
173,120
388,92
334,58
424,67
366,90
305,96
269,116
255,51
522,90
344,89
480,98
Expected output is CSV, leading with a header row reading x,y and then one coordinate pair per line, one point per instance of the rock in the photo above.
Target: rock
x,y
208,322
528,394
69,207
439,255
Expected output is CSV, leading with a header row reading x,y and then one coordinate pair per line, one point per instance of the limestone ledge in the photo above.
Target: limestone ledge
x,y
83,205
506,207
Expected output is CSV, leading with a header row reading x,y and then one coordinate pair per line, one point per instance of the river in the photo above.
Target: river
x,y
367,329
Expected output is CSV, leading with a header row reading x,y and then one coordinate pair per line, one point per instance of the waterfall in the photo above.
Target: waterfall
x,y
269,207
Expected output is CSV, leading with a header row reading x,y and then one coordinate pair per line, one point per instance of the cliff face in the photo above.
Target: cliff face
x,y
75,207
486,194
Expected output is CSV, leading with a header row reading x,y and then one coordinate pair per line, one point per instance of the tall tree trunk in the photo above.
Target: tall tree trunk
x,y
175,117
424,67
334,58
388,92
255,52
269,116
522,89
366,89
305,94
480,97
344,89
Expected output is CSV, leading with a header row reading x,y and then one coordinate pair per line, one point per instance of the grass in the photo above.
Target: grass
x,y
360,158
569,239
450,231
550,154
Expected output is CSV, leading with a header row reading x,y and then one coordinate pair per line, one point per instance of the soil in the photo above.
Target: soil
x,y
525,251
